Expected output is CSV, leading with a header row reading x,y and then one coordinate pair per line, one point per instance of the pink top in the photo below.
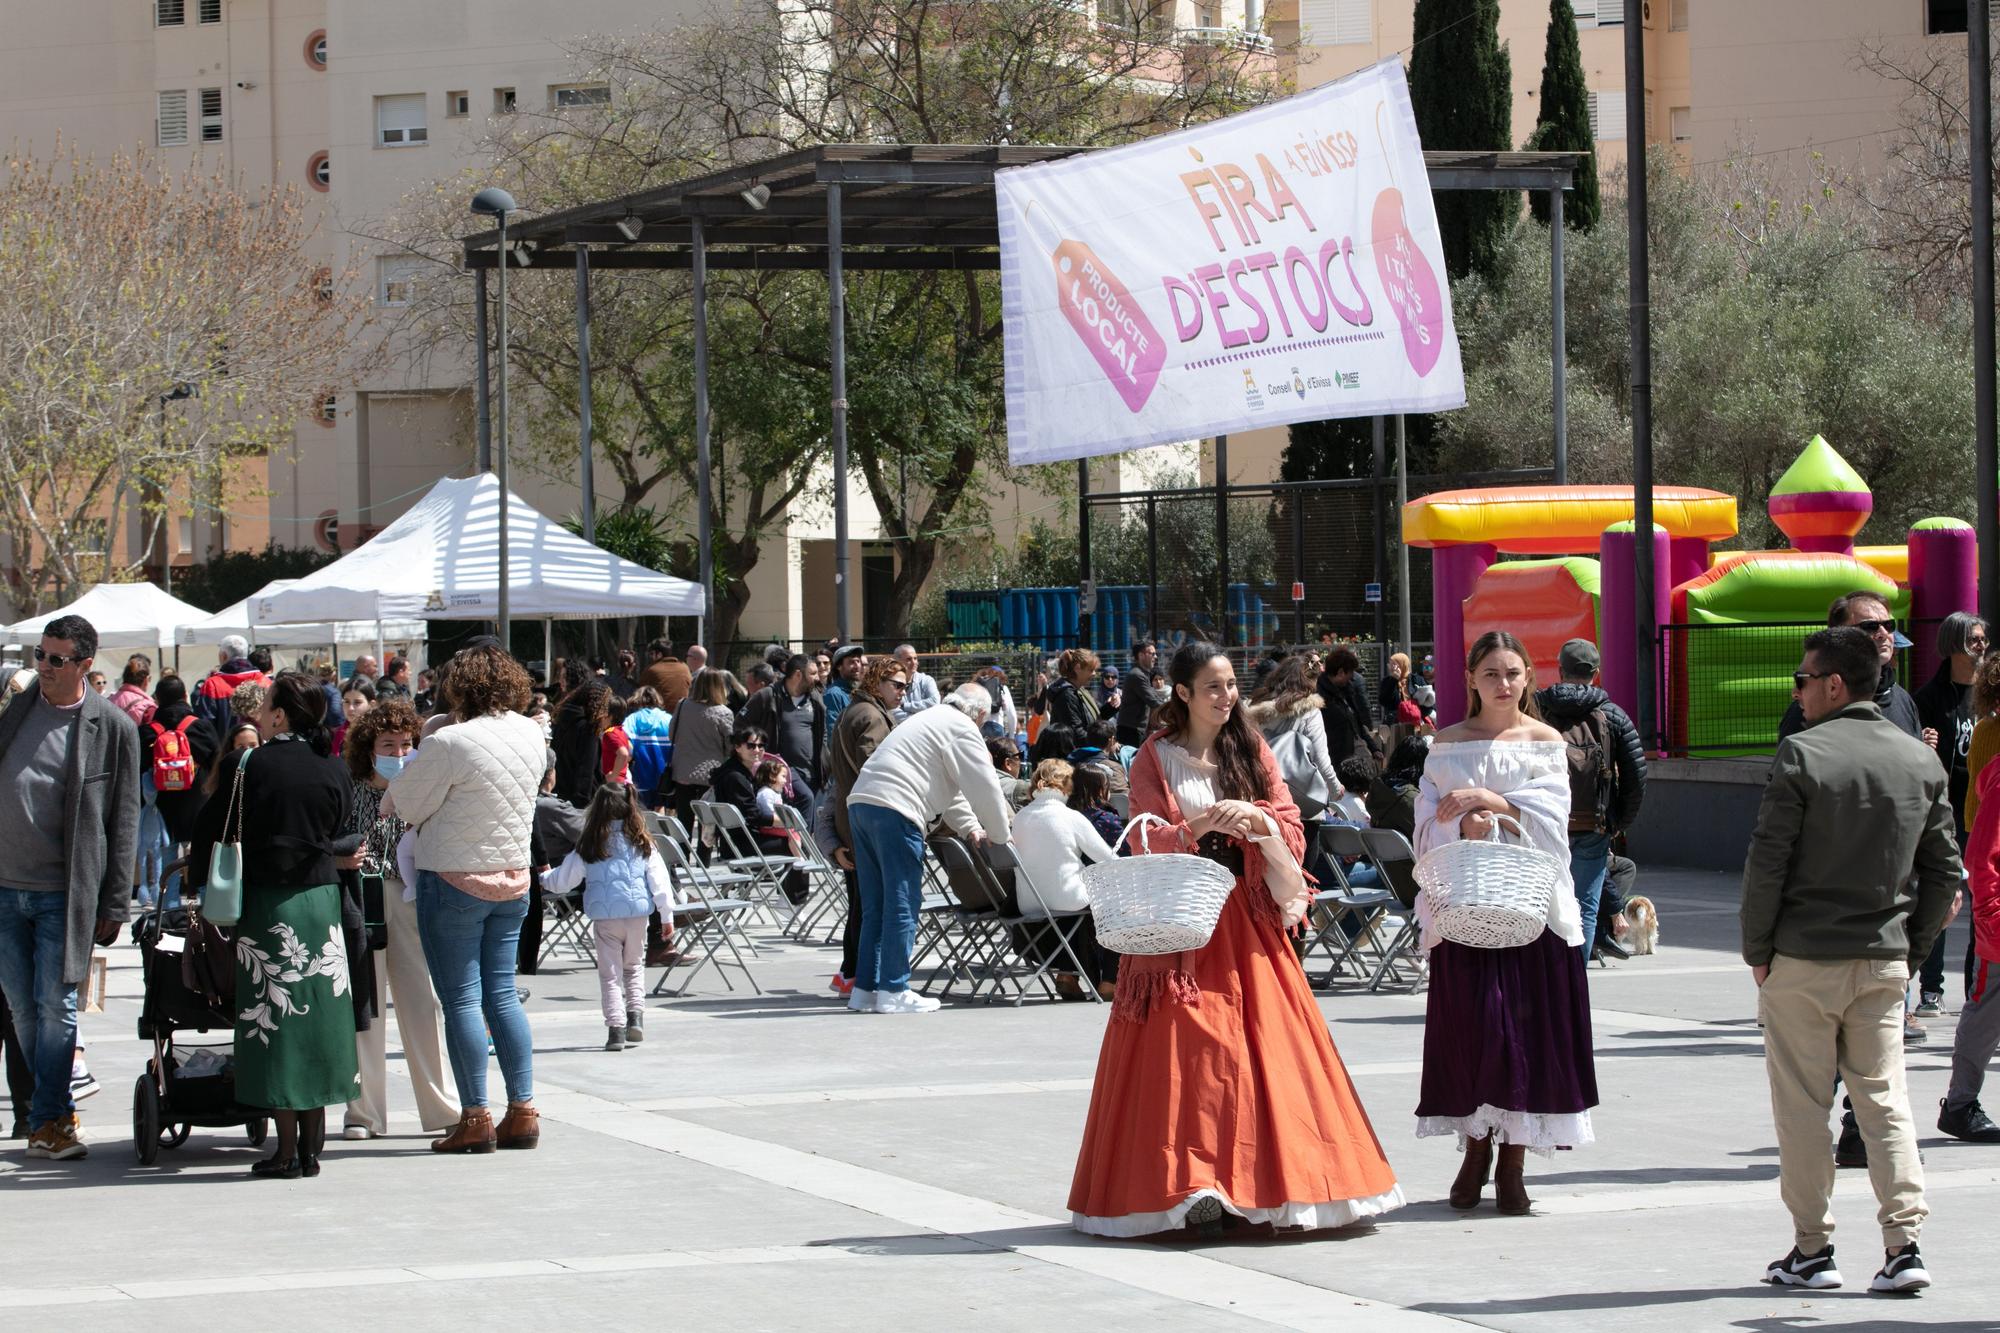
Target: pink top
x,y
495,886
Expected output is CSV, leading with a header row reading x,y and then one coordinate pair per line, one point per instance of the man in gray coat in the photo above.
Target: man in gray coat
x,y
69,805
1850,876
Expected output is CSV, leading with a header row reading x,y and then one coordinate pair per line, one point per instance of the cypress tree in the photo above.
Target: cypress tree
x,y
1461,87
1563,123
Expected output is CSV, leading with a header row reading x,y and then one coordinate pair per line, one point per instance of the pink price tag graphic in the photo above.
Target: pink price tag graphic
x,y
1129,350
1411,285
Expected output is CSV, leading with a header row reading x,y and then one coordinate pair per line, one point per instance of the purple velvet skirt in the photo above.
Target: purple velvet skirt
x,y
1508,1028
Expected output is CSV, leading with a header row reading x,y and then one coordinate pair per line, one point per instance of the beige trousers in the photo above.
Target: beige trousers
x,y
1824,1020
402,973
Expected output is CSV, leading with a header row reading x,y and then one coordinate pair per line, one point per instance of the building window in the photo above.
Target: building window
x,y
91,535
1677,16
322,284
1607,116
211,115
1680,123
1338,22
399,121
316,49
210,11
570,95
319,171
398,280
457,104
172,118
1600,13
503,101
173,13
327,410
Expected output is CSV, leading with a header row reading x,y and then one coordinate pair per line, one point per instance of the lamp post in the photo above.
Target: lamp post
x,y
161,533
494,202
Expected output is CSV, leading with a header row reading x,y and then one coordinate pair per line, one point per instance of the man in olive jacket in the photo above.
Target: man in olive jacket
x,y
1833,928
69,836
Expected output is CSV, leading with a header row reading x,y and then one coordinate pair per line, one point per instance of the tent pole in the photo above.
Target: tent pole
x,y
381,655
589,479
704,537
837,321
549,651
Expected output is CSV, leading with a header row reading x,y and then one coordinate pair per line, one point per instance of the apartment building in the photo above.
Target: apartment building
x,y
361,101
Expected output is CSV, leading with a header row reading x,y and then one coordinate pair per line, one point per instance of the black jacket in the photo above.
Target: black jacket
x,y
1350,731
1946,707
573,735
1566,704
1894,701
1070,707
734,785
179,808
295,805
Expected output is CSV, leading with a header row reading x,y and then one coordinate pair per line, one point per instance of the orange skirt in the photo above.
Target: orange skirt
x,y
1240,1097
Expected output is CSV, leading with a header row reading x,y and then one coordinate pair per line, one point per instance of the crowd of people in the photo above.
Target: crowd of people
x,y
399,833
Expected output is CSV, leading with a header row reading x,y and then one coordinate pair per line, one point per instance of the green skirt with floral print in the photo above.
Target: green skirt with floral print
x,y
294,1015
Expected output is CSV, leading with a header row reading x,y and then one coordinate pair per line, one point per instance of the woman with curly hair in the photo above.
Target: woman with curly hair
x,y
379,743
1069,702
470,795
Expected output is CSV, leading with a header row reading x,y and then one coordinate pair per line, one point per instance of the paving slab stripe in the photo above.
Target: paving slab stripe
x,y
1195,1279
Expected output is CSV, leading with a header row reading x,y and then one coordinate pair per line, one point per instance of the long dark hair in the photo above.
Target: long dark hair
x,y
614,806
304,705
1500,641
1239,749
1285,684
1089,785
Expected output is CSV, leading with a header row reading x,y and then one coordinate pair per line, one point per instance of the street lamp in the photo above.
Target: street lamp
x,y
179,392
494,202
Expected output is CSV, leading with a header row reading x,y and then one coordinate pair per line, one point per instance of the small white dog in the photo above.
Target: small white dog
x,y
1644,922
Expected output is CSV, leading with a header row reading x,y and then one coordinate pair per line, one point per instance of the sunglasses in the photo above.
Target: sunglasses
x,y
58,661
1799,678
1875,626
899,685
752,745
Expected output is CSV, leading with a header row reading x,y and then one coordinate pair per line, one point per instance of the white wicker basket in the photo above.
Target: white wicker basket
x,y
1155,903
1489,893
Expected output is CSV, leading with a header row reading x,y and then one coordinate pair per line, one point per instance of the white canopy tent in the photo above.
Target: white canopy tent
x,y
238,619
126,615
440,561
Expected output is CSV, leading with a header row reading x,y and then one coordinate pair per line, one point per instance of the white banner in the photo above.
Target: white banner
x,y
1276,266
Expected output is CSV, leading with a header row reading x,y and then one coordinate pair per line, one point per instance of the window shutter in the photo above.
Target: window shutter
x,y
173,118
400,120
1611,13
211,115
1677,20
1338,22
169,13
1586,12
1607,116
210,11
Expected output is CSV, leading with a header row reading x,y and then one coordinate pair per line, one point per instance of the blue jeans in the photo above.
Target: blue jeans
x,y
156,849
1589,858
34,928
889,859
470,945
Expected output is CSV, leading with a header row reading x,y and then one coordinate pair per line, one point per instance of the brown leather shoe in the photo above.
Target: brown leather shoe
x,y
1510,1194
473,1133
521,1127
1473,1173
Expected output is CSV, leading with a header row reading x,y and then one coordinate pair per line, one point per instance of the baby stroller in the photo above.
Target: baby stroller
x,y
181,1088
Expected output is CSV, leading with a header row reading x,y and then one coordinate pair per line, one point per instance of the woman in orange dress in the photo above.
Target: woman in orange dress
x,y
1218,1089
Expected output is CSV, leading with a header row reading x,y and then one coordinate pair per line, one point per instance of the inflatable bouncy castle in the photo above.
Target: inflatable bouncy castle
x,y
1733,619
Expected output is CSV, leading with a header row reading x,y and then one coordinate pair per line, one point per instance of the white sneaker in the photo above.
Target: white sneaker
x,y
904,1002
861,1001
357,1133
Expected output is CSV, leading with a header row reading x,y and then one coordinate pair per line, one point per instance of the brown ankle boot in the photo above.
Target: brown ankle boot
x,y
472,1133
1510,1195
1473,1173
521,1127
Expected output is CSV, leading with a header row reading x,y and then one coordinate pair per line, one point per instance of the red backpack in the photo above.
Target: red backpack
x,y
173,761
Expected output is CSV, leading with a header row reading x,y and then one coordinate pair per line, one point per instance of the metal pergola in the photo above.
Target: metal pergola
x,y
865,207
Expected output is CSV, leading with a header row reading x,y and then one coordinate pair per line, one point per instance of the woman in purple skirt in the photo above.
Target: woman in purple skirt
x,y
1507,1053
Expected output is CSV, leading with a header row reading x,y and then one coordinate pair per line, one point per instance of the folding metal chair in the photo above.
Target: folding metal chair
x,y
828,887
1063,926
1348,926
703,926
972,908
739,850
568,927
1391,854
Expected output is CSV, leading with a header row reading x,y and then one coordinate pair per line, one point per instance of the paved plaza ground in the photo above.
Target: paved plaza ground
x,y
779,1163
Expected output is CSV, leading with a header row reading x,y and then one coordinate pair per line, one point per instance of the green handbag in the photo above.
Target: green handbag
x,y
222,898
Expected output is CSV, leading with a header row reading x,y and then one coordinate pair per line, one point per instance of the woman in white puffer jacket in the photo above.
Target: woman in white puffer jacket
x,y
470,795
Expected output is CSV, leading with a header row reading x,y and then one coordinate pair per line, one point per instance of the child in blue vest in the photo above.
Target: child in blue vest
x,y
624,882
